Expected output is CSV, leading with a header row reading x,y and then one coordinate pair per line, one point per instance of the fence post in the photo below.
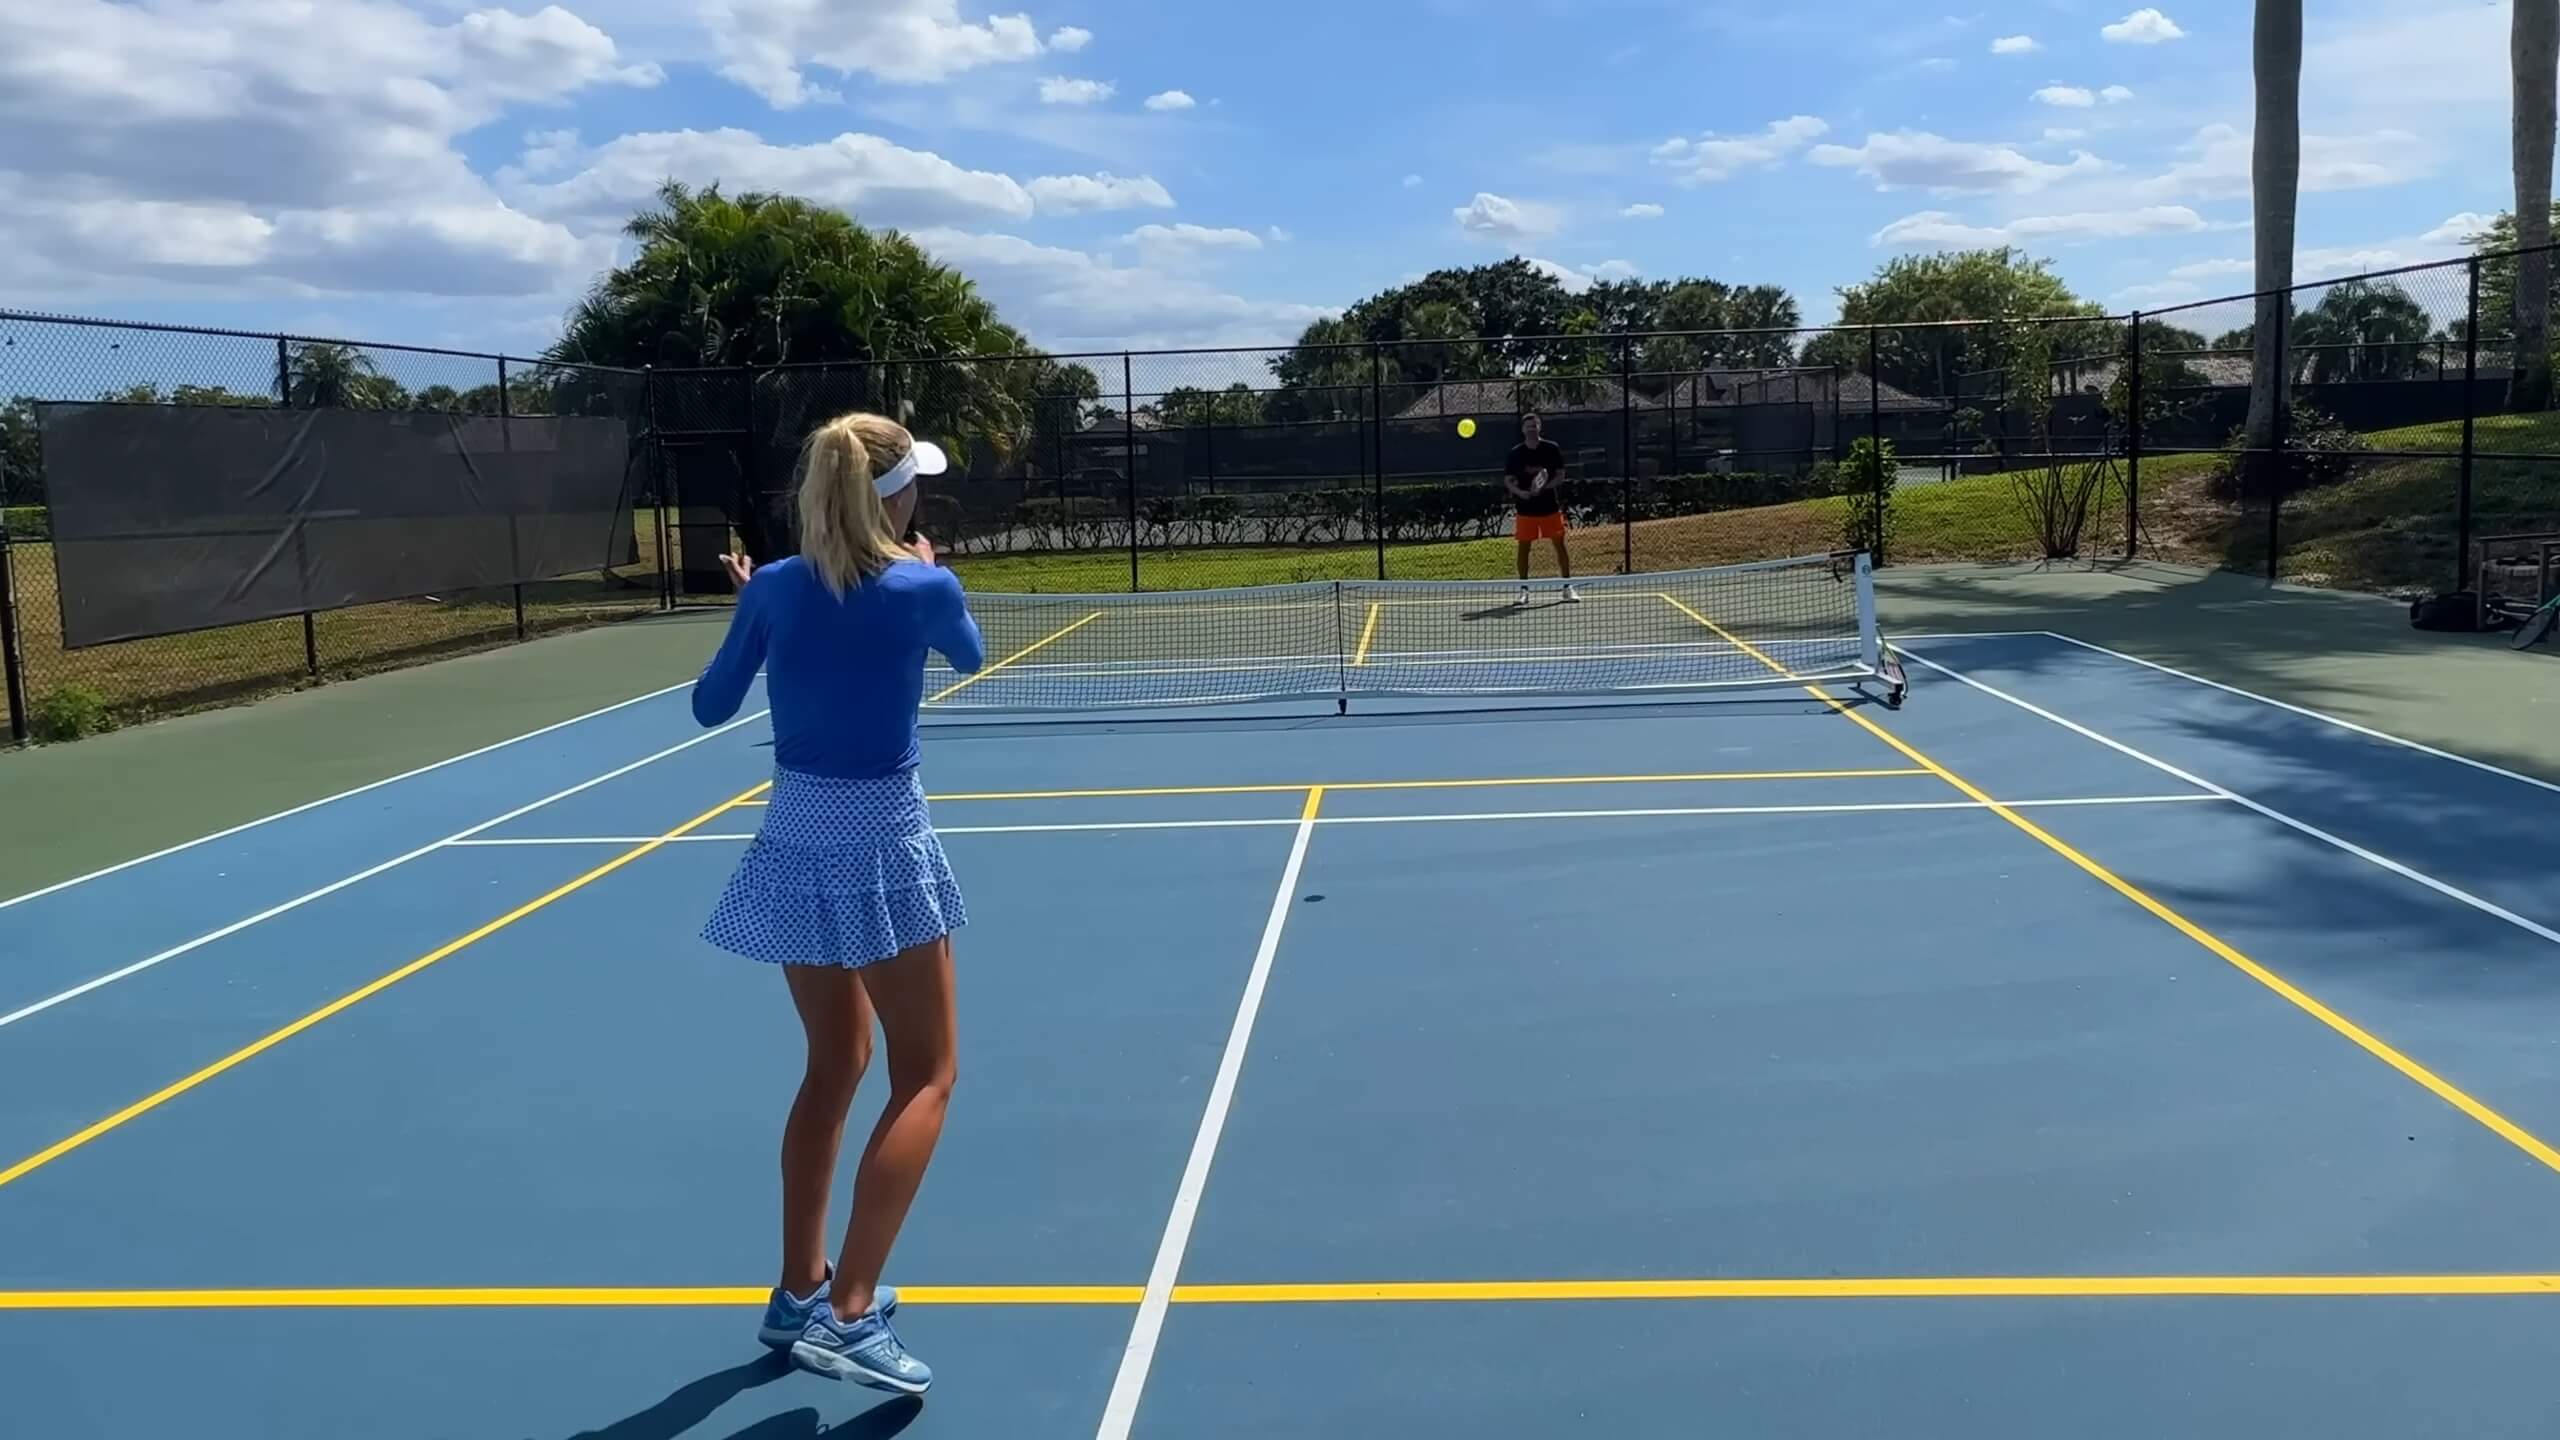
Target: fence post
x,y
1627,450
2133,436
657,485
12,664
1875,435
515,543
2462,579
1129,458
1378,450
2278,466
1839,442
301,556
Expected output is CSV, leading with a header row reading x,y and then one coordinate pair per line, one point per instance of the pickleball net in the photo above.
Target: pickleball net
x,y
1804,621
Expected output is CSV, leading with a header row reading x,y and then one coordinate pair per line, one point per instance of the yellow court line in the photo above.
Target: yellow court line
x,y
2301,999
537,1296
1043,643
1429,1292
1490,784
1891,1287
162,1096
1368,631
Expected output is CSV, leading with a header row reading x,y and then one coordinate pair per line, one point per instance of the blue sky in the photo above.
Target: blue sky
x,y
1129,172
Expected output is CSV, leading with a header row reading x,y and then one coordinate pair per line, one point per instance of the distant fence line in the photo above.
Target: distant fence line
x,y
2085,438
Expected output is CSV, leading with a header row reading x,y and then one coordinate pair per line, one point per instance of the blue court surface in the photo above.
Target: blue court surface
x,y
2081,1049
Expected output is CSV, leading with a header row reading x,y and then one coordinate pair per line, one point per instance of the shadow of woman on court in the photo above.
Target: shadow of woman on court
x,y
690,1404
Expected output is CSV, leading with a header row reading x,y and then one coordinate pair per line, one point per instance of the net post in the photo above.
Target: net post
x,y
1129,459
2470,435
2133,435
515,541
1870,630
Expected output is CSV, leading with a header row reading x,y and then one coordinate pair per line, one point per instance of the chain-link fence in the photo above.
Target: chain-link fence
x,y
2408,452
56,689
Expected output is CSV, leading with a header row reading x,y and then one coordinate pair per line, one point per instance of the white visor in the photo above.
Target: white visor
x,y
926,458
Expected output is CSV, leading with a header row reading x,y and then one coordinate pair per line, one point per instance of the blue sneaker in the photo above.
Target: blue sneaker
x,y
866,1352
786,1315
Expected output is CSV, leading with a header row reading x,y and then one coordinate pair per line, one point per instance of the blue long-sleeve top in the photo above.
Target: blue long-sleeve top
x,y
844,676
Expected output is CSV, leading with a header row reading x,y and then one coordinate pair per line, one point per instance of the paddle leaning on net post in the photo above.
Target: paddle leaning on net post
x,y
1772,624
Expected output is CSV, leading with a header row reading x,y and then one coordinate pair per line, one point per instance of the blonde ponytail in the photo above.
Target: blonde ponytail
x,y
844,527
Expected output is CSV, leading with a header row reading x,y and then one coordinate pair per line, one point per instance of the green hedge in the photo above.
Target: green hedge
x,y
26,522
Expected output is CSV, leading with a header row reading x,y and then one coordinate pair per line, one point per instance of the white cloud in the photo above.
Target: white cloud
x,y
1186,243
1412,181
1937,64
871,178
2146,26
767,45
1068,39
2458,229
1911,159
1576,281
1936,228
1070,300
2115,94
2070,97
2015,45
1643,210
1170,100
253,141
2218,164
1070,194
1719,157
1501,218
2064,136
547,152
1059,90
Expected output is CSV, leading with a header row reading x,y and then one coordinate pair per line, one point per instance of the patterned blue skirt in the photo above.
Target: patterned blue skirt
x,y
842,872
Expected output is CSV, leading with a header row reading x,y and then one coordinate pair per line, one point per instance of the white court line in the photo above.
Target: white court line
x,y
2450,892
1121,1411
2365,730
341,795
236,926
1443,817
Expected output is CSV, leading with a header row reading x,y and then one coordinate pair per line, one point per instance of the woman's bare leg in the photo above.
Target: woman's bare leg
x,y
835,1015
913,994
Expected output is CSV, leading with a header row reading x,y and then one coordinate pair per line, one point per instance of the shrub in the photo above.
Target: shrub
x,y
2318,451
71,712
26,522
1869,474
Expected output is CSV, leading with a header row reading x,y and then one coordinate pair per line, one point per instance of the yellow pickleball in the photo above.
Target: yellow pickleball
x,y
1466,429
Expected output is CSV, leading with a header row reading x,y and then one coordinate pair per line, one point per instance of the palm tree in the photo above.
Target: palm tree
x,y
2534,50
2275,175
2363,330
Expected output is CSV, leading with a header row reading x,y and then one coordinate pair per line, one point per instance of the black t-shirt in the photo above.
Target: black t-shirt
x,y
1545,455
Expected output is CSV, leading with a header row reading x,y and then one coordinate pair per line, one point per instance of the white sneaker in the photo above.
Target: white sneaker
x,y
1524,592
1572,596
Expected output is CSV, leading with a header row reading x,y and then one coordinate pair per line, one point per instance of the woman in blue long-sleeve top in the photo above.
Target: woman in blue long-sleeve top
x,y
845,884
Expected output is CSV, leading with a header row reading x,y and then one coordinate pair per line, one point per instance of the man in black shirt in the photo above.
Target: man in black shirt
x,y
1534,474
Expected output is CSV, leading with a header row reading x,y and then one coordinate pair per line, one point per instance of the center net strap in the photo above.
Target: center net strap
x,y
1809,620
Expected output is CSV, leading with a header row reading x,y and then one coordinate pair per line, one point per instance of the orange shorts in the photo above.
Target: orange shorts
x,y
1526,528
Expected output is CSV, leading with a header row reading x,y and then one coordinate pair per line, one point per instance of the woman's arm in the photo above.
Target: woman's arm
x,y
722,687
951,629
